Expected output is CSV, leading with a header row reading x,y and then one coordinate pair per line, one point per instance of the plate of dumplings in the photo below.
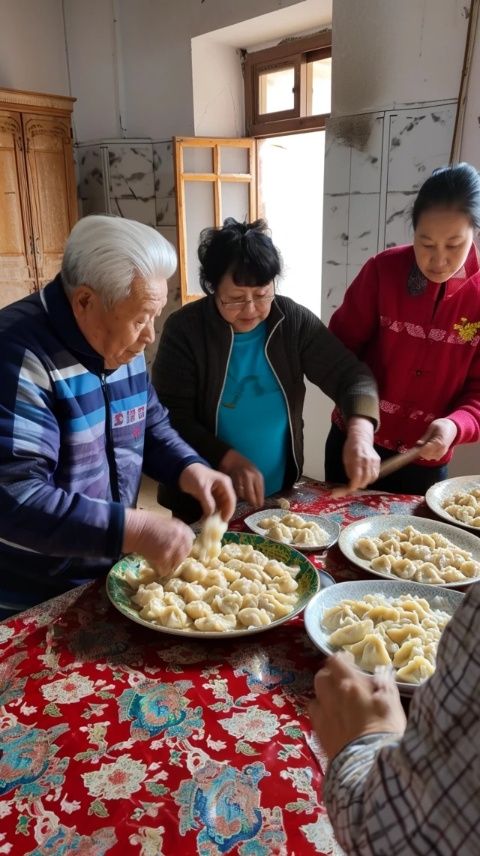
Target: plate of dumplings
x,y
306,532
401,546
233,584
457,501
383,625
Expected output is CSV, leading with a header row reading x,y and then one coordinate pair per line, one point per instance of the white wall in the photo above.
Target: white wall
x,y
387,53
218,93
32,46
93,68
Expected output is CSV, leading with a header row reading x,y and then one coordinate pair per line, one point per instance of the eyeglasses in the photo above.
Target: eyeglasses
x,y
261,302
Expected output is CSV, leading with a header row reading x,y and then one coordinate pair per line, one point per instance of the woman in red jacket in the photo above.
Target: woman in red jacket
x,y
413,316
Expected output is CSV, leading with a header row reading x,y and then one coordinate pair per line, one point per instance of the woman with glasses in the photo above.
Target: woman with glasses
x,y
231,369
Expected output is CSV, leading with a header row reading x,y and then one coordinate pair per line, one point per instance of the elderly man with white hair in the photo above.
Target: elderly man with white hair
x,y
80,421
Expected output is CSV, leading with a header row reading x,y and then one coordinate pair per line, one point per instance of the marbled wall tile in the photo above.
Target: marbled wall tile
x,y
91,189
363,227
142,210
166,211
163,168
335,230
366,163
398,228
333,288
419,141
131,170
337,163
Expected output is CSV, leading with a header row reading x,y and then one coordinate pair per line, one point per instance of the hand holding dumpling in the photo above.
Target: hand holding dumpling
x,y
349,704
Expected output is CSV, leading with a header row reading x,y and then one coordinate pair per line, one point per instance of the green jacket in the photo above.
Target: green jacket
x,y
191,365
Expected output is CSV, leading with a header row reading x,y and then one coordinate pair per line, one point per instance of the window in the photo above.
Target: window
x,y
287,88
215,178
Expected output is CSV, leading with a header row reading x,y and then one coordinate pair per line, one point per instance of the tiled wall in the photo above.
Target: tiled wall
x,y
374,165
133,179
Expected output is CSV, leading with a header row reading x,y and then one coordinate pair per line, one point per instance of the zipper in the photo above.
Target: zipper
x,y
112,468
224,382
272,331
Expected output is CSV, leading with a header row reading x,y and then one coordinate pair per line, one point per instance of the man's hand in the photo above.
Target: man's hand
x,y
213,490
349,704
247,480
163,541
438,438
360,459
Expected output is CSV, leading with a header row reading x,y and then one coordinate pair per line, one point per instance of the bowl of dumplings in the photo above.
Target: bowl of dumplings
x,y
401,546
232,583
304,532
383,625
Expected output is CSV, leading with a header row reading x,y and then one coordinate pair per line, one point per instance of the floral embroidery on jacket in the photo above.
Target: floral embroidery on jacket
x,y
467,330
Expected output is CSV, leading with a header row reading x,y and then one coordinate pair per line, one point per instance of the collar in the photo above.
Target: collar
x,y
469,269
61,318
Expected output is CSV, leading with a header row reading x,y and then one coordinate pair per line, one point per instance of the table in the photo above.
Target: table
x,y
120,740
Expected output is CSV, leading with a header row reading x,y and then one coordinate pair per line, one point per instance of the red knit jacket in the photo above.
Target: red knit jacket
x,y
423,347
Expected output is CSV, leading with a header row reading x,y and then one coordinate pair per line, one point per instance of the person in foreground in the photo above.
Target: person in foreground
x,y
413,315
79,420
231,368
405,788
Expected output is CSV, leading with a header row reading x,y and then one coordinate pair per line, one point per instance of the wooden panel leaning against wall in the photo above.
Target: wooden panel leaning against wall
x,y
38,198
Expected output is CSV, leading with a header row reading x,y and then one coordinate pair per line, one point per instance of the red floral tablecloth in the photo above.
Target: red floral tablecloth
x,y
120,740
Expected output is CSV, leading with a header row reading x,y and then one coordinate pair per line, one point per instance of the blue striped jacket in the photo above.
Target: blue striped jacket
x,y
74,439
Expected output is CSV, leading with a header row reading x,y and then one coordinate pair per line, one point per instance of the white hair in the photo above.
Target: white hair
x,y
108,253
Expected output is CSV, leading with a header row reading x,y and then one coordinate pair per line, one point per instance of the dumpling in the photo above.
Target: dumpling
x,y
366,548
382,564
304,537
208,544
198,609
370,653
410,648
191,570
193,591
251,617
383,613
268,522
416,670
216,623
405,631
229,603
427,573
294,521
470,569
403,568
351,633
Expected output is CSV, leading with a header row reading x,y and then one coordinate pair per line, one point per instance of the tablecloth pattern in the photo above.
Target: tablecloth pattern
x,y
116,739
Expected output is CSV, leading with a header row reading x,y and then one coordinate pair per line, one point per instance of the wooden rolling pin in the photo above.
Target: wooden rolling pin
x,y
391,465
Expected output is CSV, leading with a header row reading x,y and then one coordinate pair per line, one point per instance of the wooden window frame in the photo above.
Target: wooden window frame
x,y
296,53
216,178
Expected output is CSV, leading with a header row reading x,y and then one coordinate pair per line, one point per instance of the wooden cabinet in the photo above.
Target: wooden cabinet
x,y
38,199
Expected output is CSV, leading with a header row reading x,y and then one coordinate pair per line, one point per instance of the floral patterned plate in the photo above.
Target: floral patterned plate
x,y
309,582
329,526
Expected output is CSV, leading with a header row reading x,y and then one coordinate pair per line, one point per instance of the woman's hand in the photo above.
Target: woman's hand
x,y
163,541
349,704
360,459
213,490
438,438
247,480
